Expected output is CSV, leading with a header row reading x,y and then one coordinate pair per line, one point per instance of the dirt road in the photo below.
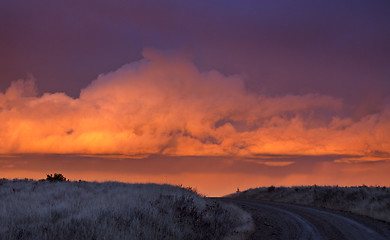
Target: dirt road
x,y
288,221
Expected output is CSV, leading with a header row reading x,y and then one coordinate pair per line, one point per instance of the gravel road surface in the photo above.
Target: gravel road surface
x,y
288,221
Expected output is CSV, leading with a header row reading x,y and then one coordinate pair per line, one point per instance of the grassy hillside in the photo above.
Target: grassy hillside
x,y
370,201
112,210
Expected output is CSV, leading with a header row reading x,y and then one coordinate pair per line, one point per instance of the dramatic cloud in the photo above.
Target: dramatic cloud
x,y
163,104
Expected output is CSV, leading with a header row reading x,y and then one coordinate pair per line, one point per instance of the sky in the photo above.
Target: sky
x,y
217,95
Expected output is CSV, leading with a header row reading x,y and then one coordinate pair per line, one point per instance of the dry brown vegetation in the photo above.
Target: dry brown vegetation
x,y
370,201
111,210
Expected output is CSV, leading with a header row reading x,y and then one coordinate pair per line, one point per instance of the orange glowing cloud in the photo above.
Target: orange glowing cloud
x,y
363,159
163,104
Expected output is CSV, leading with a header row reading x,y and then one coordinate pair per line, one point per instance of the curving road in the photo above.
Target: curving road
x,y
288,221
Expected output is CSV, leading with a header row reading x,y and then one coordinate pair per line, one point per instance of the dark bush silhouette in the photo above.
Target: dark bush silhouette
x,y
271,189
57,177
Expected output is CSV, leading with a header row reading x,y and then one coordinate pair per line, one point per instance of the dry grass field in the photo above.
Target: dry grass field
x,y
370,201
111,210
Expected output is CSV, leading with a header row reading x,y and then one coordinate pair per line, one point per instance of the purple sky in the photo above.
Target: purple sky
x,y
338,48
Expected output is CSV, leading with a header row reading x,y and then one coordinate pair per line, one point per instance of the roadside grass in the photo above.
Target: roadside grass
x,y
112,210
370,201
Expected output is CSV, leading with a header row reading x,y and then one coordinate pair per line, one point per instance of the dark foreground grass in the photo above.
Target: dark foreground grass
x,y
370,201
112,210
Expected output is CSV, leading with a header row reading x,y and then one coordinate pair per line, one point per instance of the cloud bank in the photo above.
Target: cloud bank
x,y
163,104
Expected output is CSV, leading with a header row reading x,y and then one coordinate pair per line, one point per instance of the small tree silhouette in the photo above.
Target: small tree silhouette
x,y
57,177
271,189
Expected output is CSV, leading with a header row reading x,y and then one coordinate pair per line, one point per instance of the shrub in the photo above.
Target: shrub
x,y
271,189
57,177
